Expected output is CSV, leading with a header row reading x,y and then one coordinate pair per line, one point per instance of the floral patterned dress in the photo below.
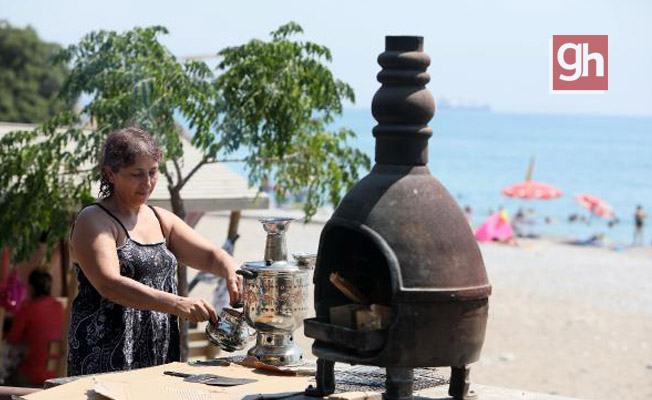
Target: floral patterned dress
x,y
105,336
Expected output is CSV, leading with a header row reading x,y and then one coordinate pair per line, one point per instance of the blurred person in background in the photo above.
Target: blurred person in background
x,y
468,211
38,322
639,218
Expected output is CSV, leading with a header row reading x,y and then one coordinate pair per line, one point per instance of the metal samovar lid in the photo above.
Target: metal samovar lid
x,y
275,250
275,247
275,267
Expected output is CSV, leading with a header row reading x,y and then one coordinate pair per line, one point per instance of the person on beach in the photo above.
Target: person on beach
x,y
468,211
38,322
639,217
517,223
125,255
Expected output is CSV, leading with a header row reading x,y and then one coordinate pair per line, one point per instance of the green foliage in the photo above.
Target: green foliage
x,y
133,80
37,199
275,99
29,81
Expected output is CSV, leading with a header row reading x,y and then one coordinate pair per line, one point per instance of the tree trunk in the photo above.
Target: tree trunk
x,y
234,222
177,203
182,275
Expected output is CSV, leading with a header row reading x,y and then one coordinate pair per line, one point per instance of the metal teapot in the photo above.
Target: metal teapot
x,y
231,333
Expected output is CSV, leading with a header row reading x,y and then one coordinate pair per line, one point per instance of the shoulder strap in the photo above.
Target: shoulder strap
x,y
158,217
112,216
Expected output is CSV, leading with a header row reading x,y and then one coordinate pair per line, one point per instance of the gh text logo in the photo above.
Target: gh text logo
x,y
579,64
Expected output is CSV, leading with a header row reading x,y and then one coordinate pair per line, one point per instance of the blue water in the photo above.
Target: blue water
x,y
476,154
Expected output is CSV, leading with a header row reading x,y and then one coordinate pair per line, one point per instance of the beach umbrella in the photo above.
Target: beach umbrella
x,y
530,189
595,205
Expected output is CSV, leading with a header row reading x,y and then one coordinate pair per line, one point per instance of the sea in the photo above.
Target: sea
x,y
475,154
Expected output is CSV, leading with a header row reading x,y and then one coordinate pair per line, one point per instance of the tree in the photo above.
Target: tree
x,y
273,99
29,82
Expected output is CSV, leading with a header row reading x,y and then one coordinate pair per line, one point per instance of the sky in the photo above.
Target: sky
x,y
482,52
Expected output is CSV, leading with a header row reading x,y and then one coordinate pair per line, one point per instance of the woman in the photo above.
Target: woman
x,y
125,255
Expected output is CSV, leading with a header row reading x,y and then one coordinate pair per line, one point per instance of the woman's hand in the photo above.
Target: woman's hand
x,y
233,281
195,310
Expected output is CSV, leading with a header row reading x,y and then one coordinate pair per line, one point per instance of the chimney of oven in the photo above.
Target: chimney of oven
x,y
403,106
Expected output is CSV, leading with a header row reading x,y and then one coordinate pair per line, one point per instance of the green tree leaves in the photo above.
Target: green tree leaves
x,y
278,99
29,83
39,194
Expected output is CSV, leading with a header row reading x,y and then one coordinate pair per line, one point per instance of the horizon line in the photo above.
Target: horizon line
x,y
520,112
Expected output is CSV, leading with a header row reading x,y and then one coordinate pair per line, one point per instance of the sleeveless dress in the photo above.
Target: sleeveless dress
x,y
105,336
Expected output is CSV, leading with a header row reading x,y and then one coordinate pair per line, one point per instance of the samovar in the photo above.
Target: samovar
x,y
275,302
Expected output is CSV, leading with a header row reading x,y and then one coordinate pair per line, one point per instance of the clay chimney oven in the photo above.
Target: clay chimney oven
x,y
399,237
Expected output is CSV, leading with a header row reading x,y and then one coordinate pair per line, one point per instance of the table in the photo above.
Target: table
x,y
152,383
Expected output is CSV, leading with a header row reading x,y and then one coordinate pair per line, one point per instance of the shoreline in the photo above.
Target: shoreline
x,y
323,215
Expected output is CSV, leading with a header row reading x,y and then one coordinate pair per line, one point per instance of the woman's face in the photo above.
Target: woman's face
x,y
134,184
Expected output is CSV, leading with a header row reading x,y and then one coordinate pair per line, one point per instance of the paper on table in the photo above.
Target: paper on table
x,y
151,383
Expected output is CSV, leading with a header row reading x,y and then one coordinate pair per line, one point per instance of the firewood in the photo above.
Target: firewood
x,y
376,317
345,315
350,291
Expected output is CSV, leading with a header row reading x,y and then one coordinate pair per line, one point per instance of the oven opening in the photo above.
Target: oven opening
x,y
353,292
358,262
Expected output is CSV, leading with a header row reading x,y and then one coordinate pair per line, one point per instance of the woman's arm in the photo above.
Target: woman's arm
x,y
93,245
196,251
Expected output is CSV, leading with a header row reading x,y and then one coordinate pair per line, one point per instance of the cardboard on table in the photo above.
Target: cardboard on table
x,y
151,383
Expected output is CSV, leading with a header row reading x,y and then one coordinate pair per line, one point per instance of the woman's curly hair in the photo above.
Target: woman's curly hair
x,y
121,149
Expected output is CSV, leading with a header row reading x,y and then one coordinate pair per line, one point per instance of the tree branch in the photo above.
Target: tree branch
x,y
177,168
169,179
185,180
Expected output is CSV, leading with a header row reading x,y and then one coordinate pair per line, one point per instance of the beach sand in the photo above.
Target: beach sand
x,y
567,320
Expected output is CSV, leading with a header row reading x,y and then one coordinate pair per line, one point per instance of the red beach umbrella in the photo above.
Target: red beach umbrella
x,y
595,205
530,189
